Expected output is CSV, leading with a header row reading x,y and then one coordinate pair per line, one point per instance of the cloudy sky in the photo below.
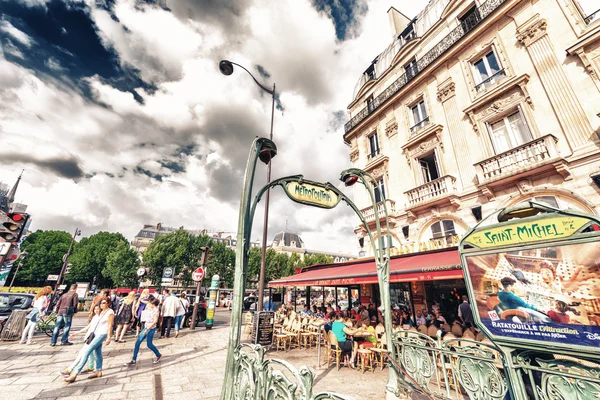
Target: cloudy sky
x,y
120,117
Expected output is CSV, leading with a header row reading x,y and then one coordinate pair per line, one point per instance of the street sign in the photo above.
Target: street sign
x,y
12,254
62,287
312,194
141,271
52,278
198,274
4,248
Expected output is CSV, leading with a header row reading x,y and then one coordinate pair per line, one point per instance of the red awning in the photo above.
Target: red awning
x,y
437,265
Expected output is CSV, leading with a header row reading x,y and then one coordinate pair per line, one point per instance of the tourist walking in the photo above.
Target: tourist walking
x,y
92,358
124,316
151,319
40,305
65,308
138,309
182,308
168,313
114,299
102,329
102,295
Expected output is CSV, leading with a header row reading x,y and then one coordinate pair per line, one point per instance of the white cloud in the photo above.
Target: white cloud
x,y
15,33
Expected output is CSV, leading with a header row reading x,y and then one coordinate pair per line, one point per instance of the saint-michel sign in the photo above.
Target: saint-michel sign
x,y
313,194
541,229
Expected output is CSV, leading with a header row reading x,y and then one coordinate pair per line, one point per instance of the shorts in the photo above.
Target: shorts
x,y
345,346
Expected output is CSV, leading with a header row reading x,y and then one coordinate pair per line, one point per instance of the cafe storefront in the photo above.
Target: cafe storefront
x,y
417,280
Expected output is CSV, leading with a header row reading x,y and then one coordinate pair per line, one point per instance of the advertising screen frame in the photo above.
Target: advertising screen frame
x,y
467,249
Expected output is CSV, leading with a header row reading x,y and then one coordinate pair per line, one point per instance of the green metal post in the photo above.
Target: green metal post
x,y
241,264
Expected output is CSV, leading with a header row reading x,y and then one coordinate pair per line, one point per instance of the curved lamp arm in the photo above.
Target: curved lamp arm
x,y
263,87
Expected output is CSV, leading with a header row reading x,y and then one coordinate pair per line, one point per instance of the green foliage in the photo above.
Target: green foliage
x,y
121,266
90,256
45,250
221,262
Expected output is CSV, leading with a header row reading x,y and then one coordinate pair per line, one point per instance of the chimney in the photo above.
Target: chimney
x,y
159,226
398,22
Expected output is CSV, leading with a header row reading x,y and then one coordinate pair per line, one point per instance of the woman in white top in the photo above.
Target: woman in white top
x,y
182,308
39,308
101,327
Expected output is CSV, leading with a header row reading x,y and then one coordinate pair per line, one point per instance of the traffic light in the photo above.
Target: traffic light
x,y
205,255
12,226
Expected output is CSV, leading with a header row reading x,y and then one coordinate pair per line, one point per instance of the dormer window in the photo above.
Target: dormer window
x,y
408,34
370,72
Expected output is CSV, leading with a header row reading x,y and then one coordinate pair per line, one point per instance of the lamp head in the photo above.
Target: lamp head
x,y
267,151
226,67
349,179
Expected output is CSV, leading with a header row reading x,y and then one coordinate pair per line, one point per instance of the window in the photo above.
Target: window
x,y
370,104
419,116
373,146
379,193
487,71
509,132
443,229
470,19
408,34
370,73
382,242
428,168
549,200
411,70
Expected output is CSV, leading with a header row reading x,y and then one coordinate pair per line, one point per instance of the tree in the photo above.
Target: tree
x,y
179,250
121,266
45,250
90,256
221,262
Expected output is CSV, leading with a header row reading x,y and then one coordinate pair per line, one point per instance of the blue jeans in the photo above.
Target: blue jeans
x,y
62,320
80,355
147,334
178,320
96,348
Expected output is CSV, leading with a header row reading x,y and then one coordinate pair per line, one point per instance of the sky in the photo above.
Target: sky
x,y
118,113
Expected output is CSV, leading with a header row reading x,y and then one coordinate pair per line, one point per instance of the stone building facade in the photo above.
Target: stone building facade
x,y
477,106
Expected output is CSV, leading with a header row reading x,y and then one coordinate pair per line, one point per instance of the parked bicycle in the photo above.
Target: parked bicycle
x,y
47,324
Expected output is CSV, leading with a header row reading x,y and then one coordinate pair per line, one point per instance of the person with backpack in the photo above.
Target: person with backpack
x,y
182,308
65,307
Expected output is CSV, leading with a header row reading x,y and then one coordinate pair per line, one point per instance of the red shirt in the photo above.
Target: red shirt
x,y
558,317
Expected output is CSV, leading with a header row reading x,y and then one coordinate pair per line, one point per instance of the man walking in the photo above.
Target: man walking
x,y
465,313
169,311
114,298
65,308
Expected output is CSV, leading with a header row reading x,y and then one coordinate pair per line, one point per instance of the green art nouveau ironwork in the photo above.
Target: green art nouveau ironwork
x,y
248,375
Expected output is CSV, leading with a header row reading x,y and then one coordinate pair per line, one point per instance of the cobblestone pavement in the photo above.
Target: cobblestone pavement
x,y
192,367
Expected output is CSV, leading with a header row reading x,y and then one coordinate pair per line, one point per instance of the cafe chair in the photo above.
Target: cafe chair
x,y
457,330
432,331
365,360
334,352
422,329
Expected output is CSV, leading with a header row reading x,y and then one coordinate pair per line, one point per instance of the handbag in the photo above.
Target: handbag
x,y
92,335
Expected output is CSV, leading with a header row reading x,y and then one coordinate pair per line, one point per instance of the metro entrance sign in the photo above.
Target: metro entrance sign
x,y
198,274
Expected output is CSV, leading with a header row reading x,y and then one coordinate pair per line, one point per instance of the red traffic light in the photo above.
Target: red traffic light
x,y
15,216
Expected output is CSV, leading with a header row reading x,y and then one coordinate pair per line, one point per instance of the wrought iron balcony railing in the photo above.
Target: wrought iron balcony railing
x,y
419,125
373,153
525,157
592,17
369,213
434,190
491,80
446,43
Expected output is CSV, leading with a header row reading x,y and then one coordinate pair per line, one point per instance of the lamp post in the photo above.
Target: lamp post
x,y
382,259
23,254
226,68
65,260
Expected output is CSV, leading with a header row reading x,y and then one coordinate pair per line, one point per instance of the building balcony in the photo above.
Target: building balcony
x,y
437,191
369,213
533,157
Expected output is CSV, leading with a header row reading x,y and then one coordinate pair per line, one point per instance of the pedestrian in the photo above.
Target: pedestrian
x,y
151,319
102,295
124,316
138,309
114,298
168,313
40,305
65,307
92,357
182,308
465,313
100,334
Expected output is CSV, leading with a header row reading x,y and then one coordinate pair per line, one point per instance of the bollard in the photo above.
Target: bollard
x,y
212,298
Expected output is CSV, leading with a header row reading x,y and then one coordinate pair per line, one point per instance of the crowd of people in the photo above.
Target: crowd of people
x,y
110,319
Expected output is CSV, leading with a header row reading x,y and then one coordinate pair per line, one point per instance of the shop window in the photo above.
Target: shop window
x,y
443,229
379,190
429,168
487,71
509,132
419,117
373,146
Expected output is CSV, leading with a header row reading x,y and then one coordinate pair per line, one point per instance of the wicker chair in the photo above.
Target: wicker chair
x,y
422,329
334,352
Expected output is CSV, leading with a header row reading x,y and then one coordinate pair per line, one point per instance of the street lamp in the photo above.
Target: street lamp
x,y
226,68
21,257
382,259
65,260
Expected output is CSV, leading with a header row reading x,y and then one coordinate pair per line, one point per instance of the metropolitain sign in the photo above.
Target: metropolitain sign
x,y
313,194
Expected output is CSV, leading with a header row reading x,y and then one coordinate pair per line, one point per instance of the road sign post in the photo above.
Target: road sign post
x,y
205,251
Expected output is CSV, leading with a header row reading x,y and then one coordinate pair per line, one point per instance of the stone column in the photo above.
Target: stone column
x,y
458,136
570,114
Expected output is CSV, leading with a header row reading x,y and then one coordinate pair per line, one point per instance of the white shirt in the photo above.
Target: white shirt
x,y
99,324
182,306
41,303
169,307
